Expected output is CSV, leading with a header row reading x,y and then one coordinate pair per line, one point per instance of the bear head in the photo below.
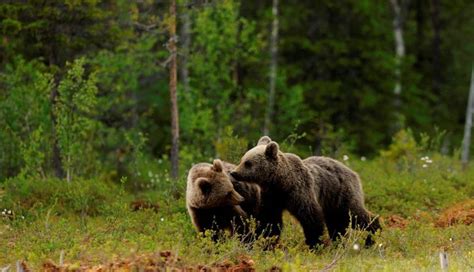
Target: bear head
x,y
259,164
209,186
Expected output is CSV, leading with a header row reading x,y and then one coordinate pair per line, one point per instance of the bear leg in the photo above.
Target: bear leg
x,y
364,220
310,216
337,223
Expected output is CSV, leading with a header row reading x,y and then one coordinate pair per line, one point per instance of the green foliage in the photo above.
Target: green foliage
x,y
24,117
75,129
230,147
429,185
34,153
404,149
26,196
223,43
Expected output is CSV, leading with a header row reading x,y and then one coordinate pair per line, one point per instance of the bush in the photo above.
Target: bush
x,y
82,196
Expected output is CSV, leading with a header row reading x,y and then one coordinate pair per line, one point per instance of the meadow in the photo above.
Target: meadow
x,y
425,202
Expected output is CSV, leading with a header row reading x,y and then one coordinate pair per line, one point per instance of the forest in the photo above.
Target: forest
x,y
106,105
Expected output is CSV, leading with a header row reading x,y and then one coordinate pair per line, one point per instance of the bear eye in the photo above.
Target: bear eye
x,y
247,164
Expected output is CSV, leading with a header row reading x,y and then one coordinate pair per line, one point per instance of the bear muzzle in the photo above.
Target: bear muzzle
x,y
236,175
235,198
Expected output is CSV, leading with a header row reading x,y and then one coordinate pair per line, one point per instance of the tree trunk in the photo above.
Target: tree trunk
x,y
56,153
185,38
436,47
399,49
468,125
273,68
173,95
420,34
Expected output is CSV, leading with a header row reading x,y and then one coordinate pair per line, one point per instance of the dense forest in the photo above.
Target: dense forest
x,y
85,84
105,105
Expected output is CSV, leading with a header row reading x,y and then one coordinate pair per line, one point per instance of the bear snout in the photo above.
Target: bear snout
x,y
236,175
235,198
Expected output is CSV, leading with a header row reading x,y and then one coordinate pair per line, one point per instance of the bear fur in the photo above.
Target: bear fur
x,y
216,201
317,191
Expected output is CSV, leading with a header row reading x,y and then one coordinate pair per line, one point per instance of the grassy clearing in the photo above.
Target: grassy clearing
x,y
104,228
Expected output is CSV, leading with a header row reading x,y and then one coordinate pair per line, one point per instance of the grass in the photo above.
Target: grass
x,y
103,229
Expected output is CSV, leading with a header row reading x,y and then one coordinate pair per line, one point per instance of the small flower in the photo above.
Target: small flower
x,y
380,245
150,174
356,247
345,157
162,219
429,161
451,239
363,158
3,213
9,212
424,165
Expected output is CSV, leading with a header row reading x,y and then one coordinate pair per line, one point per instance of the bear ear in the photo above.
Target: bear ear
x,y
264,140
217,165
271,150
205,185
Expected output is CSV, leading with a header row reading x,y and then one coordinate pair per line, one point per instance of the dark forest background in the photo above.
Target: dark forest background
x,y
84,85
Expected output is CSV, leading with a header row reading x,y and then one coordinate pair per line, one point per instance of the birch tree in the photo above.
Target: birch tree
x,y
398,8
273,68
468,125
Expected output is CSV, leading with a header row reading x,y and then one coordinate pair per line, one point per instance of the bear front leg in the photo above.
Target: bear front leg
x,y
363,219
310,216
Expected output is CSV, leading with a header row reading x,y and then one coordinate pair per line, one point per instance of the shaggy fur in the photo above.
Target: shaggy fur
x,y
316,190
216,201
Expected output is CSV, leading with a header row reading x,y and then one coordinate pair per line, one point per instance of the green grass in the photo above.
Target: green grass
x,y
100,229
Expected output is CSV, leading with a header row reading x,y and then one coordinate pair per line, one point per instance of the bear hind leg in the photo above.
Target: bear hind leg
x,y
337,224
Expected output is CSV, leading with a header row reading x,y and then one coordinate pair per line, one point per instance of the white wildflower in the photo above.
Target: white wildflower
x,y
363,158
356,247
424,165
162,219
380,245
429,161
3,212
345,157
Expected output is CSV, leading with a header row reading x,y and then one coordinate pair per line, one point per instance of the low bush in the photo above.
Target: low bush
x,y
81,196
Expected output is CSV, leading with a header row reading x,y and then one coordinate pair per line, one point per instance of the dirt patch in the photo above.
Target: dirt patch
x,y
138,205
161,261
460,213
395,221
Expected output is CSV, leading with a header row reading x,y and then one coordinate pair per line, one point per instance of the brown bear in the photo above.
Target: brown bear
x,y
216,202
316,190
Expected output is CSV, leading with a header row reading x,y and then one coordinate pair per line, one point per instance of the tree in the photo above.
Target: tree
x,y
58,32
173,96
273,68
399,9
468,124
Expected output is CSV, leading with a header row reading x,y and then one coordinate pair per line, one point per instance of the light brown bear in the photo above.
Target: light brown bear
x,y
316,190
213,201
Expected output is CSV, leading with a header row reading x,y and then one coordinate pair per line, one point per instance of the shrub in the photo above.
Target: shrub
x,y
83,196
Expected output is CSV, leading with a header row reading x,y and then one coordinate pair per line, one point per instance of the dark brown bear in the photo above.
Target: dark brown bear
x,y
216,201
316,190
